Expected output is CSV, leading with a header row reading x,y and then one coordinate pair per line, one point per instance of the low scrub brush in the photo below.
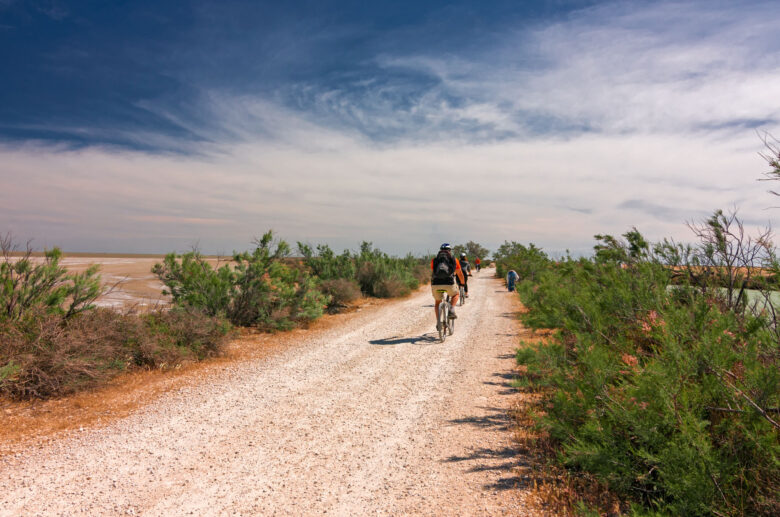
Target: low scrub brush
x,y
45,356
341,292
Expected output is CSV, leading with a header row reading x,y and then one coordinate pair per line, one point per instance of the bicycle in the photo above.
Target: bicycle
x,y
445,325
462,298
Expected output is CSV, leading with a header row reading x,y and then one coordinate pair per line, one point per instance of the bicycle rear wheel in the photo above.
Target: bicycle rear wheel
x,y
462,299
441,325
450,324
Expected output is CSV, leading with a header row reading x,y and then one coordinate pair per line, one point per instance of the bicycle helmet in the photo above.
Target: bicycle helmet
x,y
462,255
445,246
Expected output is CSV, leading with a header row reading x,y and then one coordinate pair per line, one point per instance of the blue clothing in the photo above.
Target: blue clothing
x,y
511,278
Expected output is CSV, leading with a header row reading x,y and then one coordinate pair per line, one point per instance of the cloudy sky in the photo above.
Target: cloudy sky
x,y
151,126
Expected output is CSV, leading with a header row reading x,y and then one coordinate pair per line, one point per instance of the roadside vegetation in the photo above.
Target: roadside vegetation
x,y
369,272
660,377
54,341
269,289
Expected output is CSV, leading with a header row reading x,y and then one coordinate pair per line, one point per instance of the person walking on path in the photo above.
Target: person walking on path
x,y
511,278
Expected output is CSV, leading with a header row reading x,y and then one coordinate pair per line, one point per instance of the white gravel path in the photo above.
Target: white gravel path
x,y
372,418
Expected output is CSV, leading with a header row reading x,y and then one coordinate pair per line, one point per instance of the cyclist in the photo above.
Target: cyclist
x,y
478,263
445,267
466,268
511,278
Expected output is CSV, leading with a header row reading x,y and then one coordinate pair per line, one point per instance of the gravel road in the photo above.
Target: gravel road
x,y
375,417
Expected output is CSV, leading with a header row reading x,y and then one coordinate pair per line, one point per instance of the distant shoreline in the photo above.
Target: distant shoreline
x,y
82,254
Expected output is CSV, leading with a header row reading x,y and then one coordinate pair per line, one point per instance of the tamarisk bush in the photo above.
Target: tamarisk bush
x,y
372,271
262,288
28,286
665,388
55,341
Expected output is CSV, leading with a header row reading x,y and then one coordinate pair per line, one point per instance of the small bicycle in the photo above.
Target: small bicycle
x,y
445,325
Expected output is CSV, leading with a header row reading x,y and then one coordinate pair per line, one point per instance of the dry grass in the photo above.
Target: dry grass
x,y
47,356
391,288
342,292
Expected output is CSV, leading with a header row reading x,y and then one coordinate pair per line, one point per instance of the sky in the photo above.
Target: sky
x,y
156,126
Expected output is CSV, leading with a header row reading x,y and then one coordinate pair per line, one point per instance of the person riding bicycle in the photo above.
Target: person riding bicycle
x,y
478,262
466,268
444,269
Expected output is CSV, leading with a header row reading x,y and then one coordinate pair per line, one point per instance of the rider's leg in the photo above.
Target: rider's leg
x,y
453,304
437,297
454,296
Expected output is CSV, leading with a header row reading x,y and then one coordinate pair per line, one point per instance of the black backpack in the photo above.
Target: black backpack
x,y
442,267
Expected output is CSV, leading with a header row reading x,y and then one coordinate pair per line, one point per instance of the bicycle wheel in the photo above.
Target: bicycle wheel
x,y
450,324
441,325
462,299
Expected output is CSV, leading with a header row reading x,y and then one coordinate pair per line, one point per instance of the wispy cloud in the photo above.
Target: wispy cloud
x,y
626,114
621,67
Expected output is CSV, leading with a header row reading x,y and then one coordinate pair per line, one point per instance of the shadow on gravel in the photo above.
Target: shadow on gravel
x,y
395,340
496,417
508,378
509,483
504,459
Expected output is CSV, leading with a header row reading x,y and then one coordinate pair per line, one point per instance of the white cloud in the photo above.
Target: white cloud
x,y
661,67
663,86
405,197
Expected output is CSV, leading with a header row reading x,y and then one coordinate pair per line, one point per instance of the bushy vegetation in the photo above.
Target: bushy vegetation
x,y
525,260
271,290
43,356
668,394
29,287
374,272
53,341
262,289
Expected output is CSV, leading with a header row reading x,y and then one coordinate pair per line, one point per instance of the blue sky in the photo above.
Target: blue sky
x,y
152,126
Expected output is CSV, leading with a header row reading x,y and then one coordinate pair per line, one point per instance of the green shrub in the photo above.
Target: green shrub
x,y
667,395
326,265
29,287
526,261
376,273
260,289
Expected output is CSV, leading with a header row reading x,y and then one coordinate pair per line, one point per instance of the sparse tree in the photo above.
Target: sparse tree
x,y
772,156
472,249
733,258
